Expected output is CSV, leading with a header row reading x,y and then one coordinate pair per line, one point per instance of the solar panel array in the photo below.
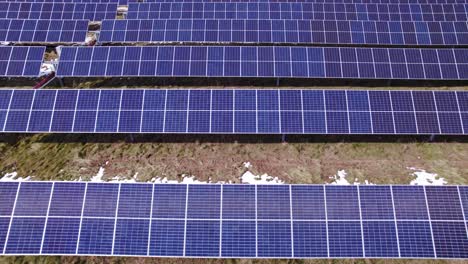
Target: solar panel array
x,y
234,111
318,11
241,221
319,1
285,31
23,30
254,61
76,11
21,61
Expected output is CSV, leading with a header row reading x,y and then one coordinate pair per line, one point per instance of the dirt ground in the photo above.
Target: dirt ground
x,y
69,157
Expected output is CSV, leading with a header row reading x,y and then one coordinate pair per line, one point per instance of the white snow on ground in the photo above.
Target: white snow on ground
x,y
98,177
251,178
12,176
247,165
425,178
340,179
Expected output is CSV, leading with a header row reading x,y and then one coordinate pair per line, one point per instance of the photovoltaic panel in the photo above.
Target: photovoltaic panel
x,y
395,11
122,2
21,61
58,11
239,112
321,1
285,31
259,230
292,62
24,30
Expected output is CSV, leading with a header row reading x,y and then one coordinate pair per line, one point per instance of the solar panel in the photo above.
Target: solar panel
x,y
321,1
21,30
270,62
285,31
121,2
21,61
61,11
311,11
222,227
239,112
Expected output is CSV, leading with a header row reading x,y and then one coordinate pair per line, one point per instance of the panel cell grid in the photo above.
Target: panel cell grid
x,y
34,31
286,62
287,31
232,221
21,61
364,11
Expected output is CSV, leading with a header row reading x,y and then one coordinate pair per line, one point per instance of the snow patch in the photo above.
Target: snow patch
x,y
340,179
13,176
251,178
425,178
99,175
247,165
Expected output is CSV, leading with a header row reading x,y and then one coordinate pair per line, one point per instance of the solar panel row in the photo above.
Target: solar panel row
x,y
20,30
285,31
234,111
328,11
274,221
317,1
270,62
121,2
75,11
21,61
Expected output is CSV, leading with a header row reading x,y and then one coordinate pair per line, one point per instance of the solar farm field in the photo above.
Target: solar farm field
x,y
233,131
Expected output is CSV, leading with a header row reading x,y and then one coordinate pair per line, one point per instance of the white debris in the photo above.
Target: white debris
x,y
118,179
98,177
47,68
13,176
251,178
425,178
247,165
340,179
191,180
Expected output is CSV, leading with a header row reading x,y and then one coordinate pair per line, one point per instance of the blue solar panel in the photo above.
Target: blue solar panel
x,y
444,203
376,203
342,202
59,11
8,192
345,239
4,226
415,239
284,31
450,239
61,236
34,31
101,200
135,200
282,62
169,201
67,199
410,202
354,11
204,201
310,240
235,111
239,239
307,202
33,199
237,206
21,61
273,202
96,236
203,238
274,239
131,237
25,235
167,238
247,220
380,239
